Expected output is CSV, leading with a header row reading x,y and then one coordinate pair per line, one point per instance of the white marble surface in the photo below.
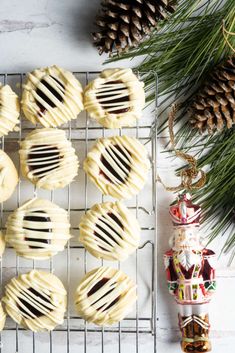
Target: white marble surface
x,y
36,33
43,32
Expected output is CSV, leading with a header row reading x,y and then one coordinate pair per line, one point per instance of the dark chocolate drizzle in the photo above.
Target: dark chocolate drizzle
x,y
105,221
126,155
114,101
38,219
33,310
44,151
55,93
99,285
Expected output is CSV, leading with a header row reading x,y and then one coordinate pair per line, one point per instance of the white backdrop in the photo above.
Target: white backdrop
x,y
36,33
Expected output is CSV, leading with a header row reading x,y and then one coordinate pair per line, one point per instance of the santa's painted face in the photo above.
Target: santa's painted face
x,y
186,238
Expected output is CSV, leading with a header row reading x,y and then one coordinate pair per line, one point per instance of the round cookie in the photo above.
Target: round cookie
x,y
48,159
36,300
109,231
105,296
52,96
115,98
2,317
2,244
38,230
8,176
9,110
118,166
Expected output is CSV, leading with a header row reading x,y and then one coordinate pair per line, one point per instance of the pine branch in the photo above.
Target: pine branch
x,y
183,51
217,197
186,47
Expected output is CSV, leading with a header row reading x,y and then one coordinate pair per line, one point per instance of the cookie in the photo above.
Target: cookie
x,y
8,177
48,159
2,317
9,110
38,230
115,98
109,231
36,300
52,96
105,296
118,166
2,244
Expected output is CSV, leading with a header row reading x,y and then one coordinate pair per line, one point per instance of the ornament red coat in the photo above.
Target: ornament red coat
x,y
190,275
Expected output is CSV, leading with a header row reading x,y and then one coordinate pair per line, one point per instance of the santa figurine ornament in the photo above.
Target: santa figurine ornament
x,y
190,275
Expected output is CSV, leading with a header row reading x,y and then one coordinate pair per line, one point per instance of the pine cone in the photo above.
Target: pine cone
x,y
213,107
124,23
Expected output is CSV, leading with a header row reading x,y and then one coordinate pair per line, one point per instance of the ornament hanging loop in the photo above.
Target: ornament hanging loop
x,y
189,173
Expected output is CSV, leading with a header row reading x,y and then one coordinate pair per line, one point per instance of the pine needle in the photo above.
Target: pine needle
x,y
183,51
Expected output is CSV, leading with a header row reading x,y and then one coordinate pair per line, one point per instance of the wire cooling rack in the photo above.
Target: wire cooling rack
x,y
135,333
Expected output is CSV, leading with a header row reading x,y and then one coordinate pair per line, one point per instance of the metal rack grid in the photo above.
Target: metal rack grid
x,y
82,132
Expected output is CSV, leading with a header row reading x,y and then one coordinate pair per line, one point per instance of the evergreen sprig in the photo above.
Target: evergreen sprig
x,y
183,50
218,195
186,47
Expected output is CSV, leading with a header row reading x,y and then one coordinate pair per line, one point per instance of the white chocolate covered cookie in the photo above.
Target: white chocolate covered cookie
x,y
105,296
52,96
48,159
109,231
118,166
9,110
36,300
38,230
8,176
2,244
115,98
2,317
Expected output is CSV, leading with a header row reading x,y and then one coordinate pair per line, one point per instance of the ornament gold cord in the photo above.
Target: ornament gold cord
x,y
189,173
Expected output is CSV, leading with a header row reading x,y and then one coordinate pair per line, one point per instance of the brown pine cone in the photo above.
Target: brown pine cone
x,y
213,108
124,23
